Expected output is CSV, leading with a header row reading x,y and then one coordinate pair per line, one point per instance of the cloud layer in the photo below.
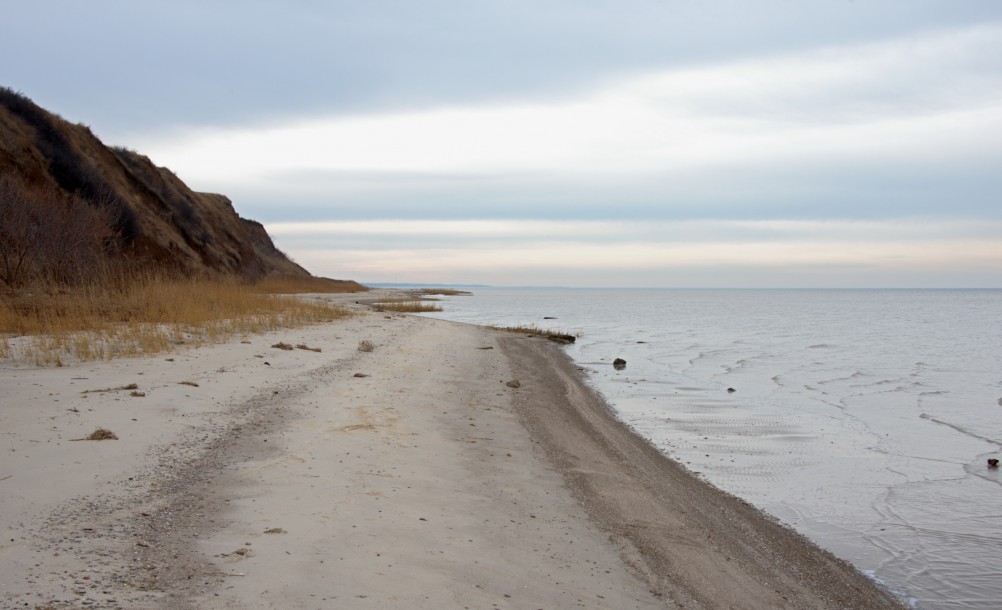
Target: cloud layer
x,y
899,127
642,142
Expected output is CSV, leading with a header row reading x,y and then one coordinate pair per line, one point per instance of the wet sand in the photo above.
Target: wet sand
x,y
411,476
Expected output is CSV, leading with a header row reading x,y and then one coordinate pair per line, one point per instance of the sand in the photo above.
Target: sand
x,y
411,476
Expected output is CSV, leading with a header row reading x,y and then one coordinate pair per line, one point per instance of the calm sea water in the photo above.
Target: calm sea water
x,y
862,418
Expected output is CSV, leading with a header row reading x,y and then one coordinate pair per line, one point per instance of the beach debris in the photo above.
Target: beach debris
x,y
131,386
101,434
993,463
191,383
267,363
514,383
560,338
308,348
137,394
275,530
619,364
365,346
731,390
282,345
549,318
487,347
361,375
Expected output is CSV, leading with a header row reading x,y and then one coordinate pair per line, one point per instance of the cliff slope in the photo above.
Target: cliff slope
x,y
113,201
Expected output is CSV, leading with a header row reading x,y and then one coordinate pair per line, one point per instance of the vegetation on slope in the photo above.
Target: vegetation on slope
x,y
103,254
130,209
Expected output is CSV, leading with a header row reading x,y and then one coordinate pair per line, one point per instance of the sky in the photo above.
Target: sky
x,y
662,143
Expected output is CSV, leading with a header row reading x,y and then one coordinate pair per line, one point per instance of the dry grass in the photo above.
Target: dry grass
x,y
310,285
531,329
525,329
147,315
400,300
407,306
366,346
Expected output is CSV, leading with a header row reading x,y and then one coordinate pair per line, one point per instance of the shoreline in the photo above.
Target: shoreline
x,y
695,544
412,476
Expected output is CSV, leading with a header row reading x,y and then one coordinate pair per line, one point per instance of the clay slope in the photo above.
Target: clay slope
x,y
153,218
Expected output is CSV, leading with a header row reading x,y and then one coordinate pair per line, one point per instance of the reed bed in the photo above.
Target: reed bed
x,y
49,326
310,285
407,306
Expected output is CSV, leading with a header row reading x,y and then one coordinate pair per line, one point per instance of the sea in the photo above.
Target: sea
x,y
863,419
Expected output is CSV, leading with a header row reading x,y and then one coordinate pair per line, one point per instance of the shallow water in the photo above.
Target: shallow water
x,y
862,418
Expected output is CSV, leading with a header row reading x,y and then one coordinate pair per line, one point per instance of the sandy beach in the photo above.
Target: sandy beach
x,y
449,467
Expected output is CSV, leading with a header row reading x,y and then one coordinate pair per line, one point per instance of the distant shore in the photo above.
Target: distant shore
x,y
416,474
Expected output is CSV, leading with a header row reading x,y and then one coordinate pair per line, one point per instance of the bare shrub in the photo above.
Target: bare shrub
x,y
47,236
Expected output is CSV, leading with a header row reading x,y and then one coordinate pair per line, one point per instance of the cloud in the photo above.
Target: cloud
x,y
925,108
663,142
128,66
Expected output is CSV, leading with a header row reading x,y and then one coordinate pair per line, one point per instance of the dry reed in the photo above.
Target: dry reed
x,y
48,326
407,306
299,285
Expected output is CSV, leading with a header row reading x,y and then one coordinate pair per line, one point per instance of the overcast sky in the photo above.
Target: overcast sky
x,y
716,143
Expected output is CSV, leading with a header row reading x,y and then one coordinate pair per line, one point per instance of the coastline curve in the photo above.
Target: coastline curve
x,y
694,544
